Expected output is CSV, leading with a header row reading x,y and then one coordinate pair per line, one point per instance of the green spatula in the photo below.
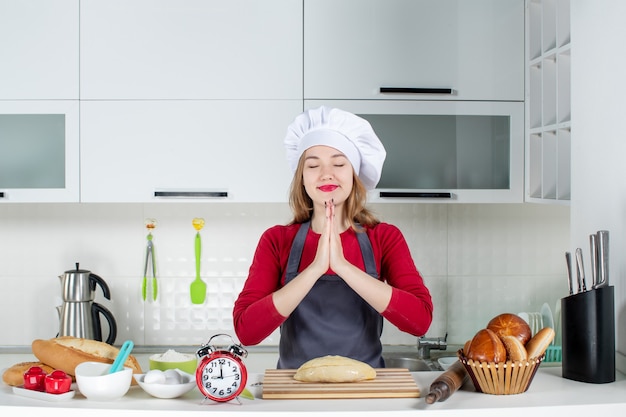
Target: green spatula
x,y
198,287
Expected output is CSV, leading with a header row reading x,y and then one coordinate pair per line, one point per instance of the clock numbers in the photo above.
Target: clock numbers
x,y
220,372
221,375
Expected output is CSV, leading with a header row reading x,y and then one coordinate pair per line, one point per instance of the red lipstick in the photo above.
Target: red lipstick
x,y
328,188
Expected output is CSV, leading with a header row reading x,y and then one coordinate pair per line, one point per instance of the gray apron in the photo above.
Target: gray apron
x,y
332,319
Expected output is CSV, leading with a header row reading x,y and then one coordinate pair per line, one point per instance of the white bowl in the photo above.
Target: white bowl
x,y
168,390
95,383
447,361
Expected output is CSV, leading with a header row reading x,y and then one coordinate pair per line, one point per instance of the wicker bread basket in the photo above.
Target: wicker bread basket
x,y
501,378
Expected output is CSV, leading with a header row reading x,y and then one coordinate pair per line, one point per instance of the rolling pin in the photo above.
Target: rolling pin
x,y
447,383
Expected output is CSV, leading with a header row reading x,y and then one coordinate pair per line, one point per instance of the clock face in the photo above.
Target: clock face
x,y
221,377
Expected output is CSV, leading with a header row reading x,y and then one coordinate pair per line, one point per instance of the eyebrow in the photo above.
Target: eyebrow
x,y
337,155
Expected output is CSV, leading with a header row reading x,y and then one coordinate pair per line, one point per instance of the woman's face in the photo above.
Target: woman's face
x,y
327,175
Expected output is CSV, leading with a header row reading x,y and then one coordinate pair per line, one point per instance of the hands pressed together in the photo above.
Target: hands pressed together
x,y
330,255
329,249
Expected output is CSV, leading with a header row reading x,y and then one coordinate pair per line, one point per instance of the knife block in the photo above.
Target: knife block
x,y
588,336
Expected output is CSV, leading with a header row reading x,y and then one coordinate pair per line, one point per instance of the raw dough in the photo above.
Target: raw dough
x,y
334,369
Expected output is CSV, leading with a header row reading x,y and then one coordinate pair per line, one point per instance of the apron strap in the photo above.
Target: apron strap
x,y
296,251
368,254
298,246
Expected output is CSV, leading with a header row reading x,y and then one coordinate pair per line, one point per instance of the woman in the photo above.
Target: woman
x,y
330,276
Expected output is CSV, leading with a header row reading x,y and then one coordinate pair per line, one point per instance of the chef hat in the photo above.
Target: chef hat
x,y
346,132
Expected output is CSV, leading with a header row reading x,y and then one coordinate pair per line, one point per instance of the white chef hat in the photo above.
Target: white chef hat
x,y
350,134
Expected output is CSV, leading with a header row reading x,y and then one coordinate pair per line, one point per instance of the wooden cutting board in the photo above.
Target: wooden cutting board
x,y
389,383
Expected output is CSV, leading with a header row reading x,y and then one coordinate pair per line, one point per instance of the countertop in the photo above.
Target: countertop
x,y
548,394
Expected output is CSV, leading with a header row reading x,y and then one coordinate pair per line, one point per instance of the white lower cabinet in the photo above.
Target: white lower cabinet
x,y
214,150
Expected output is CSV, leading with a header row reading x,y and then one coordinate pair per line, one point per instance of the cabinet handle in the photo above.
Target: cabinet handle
x,y
413,194
191,194
409,90
1,194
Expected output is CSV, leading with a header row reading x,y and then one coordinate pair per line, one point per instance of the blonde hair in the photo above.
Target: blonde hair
x,y
354,209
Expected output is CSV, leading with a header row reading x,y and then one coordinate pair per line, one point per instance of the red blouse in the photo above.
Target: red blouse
x,y
255,316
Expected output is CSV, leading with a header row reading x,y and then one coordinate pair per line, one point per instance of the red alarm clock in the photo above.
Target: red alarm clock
x,y
221,374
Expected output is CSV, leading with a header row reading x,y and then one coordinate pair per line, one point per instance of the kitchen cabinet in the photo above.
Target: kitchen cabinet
x,y
445,151
353,48
39,49
206,150
194,49
548,109
39,151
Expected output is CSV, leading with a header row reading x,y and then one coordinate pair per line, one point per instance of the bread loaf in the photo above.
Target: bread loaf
x,y
508,324
334,369
14,375
540,342
515,351
66,352
486,346
466,347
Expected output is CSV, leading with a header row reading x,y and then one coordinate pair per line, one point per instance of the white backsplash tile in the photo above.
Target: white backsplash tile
x,y
477,260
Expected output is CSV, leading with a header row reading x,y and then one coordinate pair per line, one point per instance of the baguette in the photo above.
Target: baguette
x,y
66,352
14,376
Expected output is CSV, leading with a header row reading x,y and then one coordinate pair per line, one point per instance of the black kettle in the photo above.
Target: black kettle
x,y
79,316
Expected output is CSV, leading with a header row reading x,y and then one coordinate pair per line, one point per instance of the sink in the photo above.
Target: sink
x,y
411,363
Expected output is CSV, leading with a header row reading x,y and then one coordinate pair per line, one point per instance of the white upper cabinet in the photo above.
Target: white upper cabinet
x,y
198,150
445,151
193,49
38,49
39,151
353,48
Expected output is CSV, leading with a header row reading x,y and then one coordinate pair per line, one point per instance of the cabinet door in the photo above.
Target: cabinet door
x,y
38,49
231,149
193,49
39,151
352,48
445,151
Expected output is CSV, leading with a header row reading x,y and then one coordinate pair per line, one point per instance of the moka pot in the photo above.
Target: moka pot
x,y
79,315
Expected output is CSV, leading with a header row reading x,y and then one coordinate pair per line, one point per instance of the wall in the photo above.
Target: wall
x,y
598,145
478,260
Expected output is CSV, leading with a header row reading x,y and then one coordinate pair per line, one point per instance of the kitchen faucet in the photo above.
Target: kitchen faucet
x,y
426,344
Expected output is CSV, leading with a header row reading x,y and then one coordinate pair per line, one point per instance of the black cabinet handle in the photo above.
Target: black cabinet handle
x,y
409,90
192,194
414,194
1,194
